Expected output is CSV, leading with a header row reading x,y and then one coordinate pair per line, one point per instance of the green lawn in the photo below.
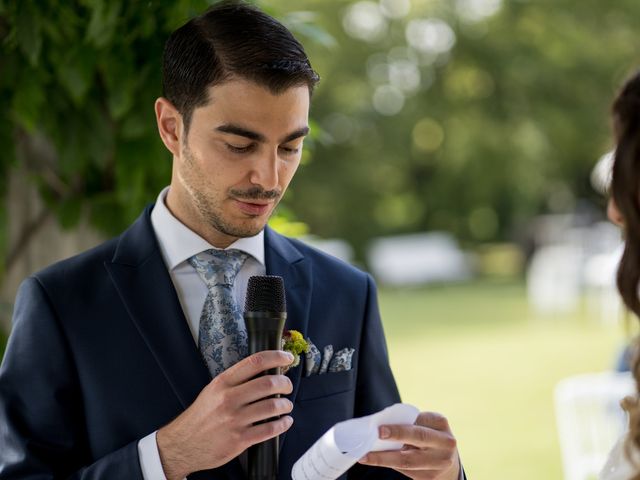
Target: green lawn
x,y
477,354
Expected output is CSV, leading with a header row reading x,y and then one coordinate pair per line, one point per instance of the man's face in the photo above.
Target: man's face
x,y
236,161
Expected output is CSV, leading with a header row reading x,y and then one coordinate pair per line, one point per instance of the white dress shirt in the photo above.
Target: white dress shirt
x,y
177,244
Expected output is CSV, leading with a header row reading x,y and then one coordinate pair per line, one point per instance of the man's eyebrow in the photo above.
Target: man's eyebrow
x,y
240,131
258,137
301,132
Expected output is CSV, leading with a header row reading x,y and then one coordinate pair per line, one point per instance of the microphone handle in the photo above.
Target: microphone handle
x,y
265,333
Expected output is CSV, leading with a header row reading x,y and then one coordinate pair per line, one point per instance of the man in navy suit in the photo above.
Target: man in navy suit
x,y
103,377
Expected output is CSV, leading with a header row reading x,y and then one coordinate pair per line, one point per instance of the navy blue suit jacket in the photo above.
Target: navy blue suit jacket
x,y
100,355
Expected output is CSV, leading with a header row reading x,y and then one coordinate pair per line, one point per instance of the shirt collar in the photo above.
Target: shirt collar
x,y
178,243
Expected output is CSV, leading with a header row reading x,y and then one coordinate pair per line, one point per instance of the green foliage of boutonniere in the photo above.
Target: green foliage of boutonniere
x,y
294,343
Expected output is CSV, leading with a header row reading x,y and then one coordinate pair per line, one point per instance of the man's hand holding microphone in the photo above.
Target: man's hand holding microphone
x,y
222,422
240,407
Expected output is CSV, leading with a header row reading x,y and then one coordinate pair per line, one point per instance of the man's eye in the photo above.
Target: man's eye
x,y
290,150
240,148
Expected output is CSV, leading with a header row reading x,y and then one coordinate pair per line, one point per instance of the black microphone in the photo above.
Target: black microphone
x,y
264,315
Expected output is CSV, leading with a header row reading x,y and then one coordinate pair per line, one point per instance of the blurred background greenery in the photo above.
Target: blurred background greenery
x,y
471,117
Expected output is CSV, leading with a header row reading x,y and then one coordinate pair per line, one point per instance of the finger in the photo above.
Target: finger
x,y
418,436
450,467
411,459
262,387
264,431
251,366
433,420
266,409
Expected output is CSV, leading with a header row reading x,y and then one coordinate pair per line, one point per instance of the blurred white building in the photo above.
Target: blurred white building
x,y
332,246
417,259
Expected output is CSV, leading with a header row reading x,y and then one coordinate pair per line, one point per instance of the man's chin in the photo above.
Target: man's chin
x,y
249,229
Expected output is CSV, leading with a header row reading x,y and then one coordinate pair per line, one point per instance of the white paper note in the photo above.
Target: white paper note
x,y
347,442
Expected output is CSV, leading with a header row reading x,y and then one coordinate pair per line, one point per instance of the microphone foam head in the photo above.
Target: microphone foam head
x,y
265,293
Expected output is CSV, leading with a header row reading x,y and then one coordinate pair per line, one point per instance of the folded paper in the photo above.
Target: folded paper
x,y
347,442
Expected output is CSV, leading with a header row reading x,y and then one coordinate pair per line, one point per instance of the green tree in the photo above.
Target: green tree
x,y
461,115
77,89
507,120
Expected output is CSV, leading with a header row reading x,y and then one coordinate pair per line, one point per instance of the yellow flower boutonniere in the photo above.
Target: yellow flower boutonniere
x,y
294,343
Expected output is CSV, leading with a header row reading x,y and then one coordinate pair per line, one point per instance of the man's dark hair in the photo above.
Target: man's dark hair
x,y
231,39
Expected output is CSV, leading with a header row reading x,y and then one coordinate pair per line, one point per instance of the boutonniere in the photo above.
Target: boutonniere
x,y
294,343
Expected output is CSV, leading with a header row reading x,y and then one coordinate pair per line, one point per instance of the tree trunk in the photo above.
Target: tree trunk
x,y
35,239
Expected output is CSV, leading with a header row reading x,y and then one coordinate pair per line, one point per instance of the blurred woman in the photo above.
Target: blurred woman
x,y
624,210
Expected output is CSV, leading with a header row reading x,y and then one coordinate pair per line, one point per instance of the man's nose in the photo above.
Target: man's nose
x,y
265,171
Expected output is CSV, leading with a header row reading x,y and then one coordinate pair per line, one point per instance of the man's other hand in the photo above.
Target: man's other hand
x,y
429,450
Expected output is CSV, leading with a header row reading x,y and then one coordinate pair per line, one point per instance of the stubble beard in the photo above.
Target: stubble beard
x,y
209,207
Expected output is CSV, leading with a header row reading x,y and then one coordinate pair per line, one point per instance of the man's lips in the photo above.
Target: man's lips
x,y
253,207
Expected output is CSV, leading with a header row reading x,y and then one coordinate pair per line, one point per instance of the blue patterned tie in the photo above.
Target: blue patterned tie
x,y
222,338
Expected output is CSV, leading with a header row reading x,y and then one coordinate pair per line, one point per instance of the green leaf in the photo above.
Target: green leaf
x,y
135,125
103,23
120,80
52,29
107,213
11,65
76,73
98,134
120,101
69,212
28,32
72,158
28,101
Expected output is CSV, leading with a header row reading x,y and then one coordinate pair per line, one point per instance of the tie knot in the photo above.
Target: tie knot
x,y
218,267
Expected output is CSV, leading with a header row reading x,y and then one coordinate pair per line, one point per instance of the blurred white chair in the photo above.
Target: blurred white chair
x,y
553,279
590,420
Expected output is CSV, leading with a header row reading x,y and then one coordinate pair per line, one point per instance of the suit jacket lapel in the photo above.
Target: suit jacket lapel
x,y
143,282
284,259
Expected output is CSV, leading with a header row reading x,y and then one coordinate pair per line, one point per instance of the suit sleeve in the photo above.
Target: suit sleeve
x,y
376,387
42,432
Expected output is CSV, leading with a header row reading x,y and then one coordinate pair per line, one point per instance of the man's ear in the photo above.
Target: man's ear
x,y
170,125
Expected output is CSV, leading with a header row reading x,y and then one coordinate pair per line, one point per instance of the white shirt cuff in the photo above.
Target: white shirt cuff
x,y
150,463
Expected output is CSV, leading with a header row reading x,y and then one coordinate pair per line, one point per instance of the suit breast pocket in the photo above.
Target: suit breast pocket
x,y
327,384
321,402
